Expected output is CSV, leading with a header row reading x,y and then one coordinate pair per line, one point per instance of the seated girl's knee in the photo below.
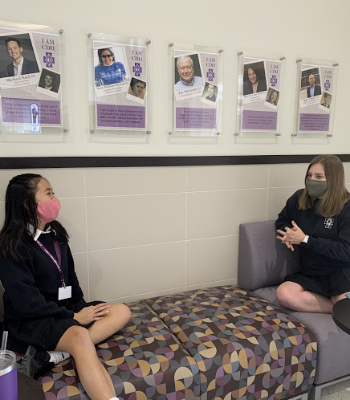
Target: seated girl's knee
x,y
80,335
126,312
279,292
121,314
283,296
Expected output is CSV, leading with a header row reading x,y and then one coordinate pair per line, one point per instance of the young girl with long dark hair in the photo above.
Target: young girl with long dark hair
x,y
44,305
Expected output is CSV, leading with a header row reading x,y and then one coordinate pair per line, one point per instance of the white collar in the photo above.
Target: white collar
x,y
38,231
20,63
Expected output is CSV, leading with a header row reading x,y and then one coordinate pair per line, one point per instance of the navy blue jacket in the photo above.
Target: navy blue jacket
x,y
31,288
328,246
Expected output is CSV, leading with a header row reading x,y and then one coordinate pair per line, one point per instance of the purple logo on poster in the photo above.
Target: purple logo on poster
x,y
137,69
273,80
34,111
49,60
327,85
210,75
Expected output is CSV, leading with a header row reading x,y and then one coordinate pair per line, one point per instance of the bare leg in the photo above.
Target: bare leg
x,y
118,315
95,379
293,296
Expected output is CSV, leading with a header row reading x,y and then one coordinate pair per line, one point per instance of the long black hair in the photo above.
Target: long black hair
x,y
20,210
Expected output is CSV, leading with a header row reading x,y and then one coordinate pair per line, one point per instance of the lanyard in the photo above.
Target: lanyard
x,y
57,263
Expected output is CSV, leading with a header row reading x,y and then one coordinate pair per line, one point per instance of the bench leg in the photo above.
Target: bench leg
x,y
315,393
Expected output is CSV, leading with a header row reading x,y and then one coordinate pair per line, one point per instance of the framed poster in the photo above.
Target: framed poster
x,y
260,91
196,87
31,81
316,90
120,84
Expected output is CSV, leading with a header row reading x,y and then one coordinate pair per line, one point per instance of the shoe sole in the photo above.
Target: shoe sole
x,y
27,361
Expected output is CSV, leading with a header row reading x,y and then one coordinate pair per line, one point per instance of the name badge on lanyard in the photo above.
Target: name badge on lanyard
x,y
64,292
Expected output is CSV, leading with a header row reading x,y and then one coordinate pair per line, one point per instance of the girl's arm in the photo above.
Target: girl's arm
x,y
26,298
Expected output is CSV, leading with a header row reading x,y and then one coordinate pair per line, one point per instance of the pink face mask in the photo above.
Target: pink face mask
x,y
48,211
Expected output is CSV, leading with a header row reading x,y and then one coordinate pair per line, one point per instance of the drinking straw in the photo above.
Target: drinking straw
x,y
4,340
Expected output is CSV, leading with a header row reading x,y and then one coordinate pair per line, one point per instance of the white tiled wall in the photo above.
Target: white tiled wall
x,y
142,232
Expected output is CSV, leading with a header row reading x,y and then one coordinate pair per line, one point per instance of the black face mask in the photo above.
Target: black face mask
x,y
316,188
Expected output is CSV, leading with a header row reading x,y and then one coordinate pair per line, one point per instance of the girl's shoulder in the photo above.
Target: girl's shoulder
x,y
294,198
346,208
298,193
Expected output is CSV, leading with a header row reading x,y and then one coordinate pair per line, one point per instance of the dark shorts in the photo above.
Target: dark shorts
x,y
43,333
330,285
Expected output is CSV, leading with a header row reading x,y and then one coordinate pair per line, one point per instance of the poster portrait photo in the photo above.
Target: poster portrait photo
x,y
310,83
110,66
326,100
137,88
210,92
17,56
254,78
137,91
49,80
188,73
272,96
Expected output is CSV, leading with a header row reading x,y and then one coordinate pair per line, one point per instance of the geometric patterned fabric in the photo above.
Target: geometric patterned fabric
x,y
144,360
244,347
218,343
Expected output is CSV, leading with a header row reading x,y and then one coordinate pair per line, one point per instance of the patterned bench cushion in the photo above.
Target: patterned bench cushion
x,y
216,343
144,360
245,348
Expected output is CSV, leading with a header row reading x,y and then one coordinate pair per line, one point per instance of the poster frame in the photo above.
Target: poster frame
x,y
250,133
21,132
315,134
114,134
194,48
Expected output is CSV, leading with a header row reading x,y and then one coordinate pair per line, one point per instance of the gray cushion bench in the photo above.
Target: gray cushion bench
x,y
263,264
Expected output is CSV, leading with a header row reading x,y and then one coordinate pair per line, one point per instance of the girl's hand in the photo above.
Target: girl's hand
x,y
288,244
291,236
92,313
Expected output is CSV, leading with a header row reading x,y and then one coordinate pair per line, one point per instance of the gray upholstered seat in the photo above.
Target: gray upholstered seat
x,y
263,264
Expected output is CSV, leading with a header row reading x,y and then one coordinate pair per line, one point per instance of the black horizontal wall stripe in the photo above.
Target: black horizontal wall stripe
x,y
98,162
